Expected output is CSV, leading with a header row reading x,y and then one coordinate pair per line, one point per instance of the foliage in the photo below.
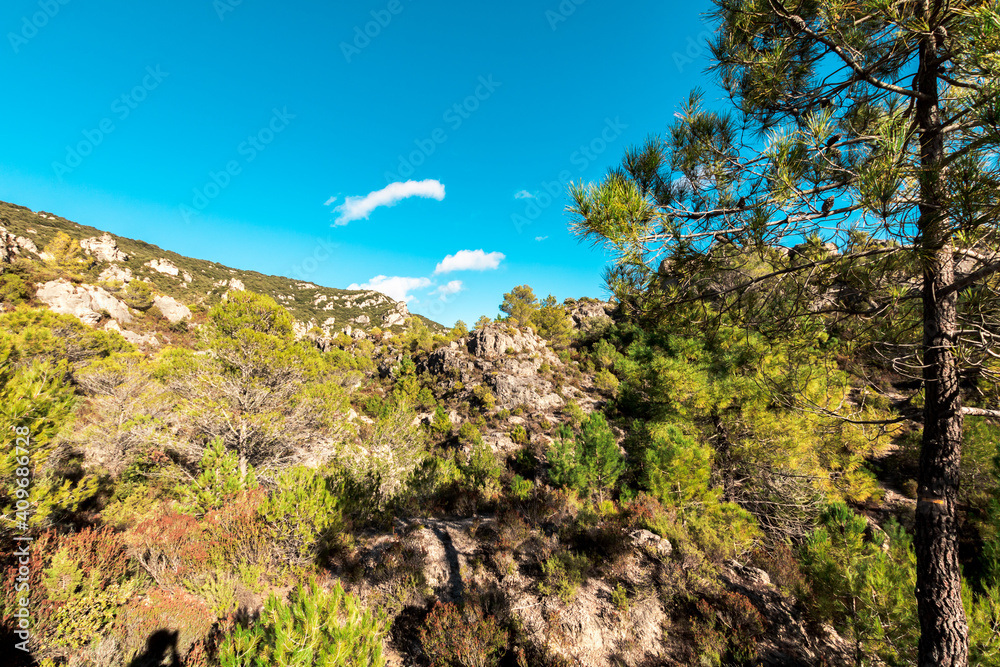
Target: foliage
x,y
65,254
314,628
302,512
462,636
520,305
219,481
13,289
592,462
552,322
863,582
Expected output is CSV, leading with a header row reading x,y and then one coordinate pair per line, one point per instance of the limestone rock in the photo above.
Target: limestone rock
x,y
103,248
396,317
362,319
164,266
149,340
11,246
512,391
585,313
116,273
86,302
172,309
494,340
651,543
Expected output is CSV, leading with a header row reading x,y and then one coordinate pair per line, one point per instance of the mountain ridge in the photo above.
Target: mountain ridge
x,y
201,283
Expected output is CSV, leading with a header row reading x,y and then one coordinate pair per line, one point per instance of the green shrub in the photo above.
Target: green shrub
x,y
220,479
519,435
606,381
864,585
303,512
315,628
563,573
590,463
462,636
139,295
13,289
484,396
468,434
441,425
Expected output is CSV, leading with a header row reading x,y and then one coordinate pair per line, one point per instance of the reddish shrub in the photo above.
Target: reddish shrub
x,y
102,552
164,612
169,547
462,636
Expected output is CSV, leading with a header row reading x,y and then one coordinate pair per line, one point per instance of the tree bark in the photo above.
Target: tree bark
x,y
943,626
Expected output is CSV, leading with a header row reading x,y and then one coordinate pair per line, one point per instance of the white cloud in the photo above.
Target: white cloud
x,y
470,260
359,208
524,194
541,238
452,287
330,201
394,287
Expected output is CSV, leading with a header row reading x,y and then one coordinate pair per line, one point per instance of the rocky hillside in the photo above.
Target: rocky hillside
x,y
183,282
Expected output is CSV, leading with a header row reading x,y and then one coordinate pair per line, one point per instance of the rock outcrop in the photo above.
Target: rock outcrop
x,y
149,340
116,273
12,246
172,309
87,302
164,266
396,317
103,248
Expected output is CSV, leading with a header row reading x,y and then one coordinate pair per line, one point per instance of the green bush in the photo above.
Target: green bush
x,y
591,462
863,582
303,512
315,628
519,435
485,397
462,636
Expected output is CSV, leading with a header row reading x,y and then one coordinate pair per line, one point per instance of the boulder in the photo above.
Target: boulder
x,y
103,248
397,316
87,302
651,543
164,266
512,391
149,340
494,340
11,246
172,309
587,312
116,273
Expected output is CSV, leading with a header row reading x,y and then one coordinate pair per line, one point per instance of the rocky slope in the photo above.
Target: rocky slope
x,y
180,283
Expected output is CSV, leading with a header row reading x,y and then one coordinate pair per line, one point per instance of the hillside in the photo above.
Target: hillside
x,y
201,283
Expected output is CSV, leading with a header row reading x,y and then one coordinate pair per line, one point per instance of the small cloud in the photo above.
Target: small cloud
x,y
470,260
524,194
453,287
330,201
394,287
359,208
541,238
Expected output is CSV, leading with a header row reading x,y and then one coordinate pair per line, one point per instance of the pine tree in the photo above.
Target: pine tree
x,y
875,126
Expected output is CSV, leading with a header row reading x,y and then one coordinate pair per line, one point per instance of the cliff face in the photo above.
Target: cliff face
x,y
179,282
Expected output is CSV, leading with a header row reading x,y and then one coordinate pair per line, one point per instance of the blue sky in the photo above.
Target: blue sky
x,y
267,135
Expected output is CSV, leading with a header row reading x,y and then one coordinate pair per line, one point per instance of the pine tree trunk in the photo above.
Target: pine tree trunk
x,y
943,626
